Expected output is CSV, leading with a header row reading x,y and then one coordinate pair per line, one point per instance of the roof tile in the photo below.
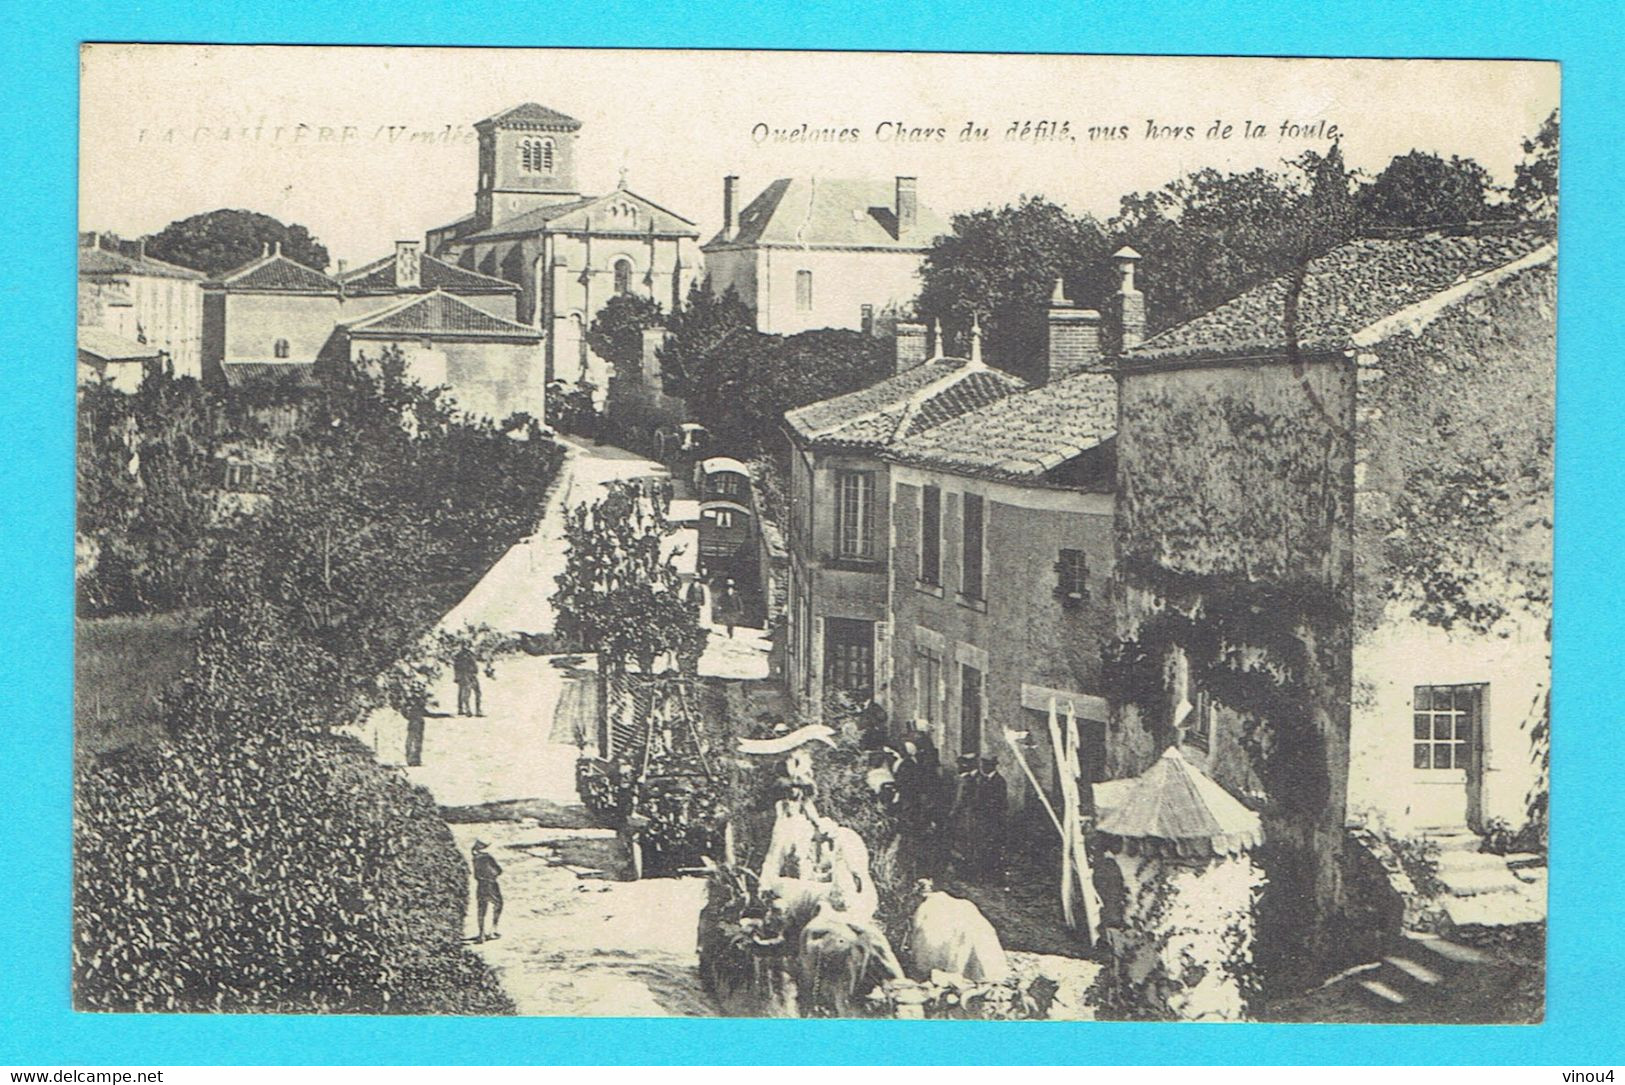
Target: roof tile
x,y
439,314
808,211
379,278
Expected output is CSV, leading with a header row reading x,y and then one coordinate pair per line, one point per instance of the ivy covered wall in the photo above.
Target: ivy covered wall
x,y
1235,539
1453,537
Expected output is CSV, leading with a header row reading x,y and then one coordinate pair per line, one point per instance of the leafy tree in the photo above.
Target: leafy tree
x,y
743,387
219,241
616,334
1534,192
620,594
1000,264
1420,189
705,321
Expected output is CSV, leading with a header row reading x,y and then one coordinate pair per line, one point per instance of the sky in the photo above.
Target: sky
x,y
365,146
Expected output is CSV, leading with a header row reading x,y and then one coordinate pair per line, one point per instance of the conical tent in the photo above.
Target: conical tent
x,y
1173,808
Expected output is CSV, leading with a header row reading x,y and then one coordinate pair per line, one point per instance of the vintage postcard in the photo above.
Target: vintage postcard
x,y
707,533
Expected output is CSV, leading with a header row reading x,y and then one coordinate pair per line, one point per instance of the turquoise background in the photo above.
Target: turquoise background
x,y
37,271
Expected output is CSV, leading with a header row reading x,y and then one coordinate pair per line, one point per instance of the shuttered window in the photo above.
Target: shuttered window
x,y
931,535
971,584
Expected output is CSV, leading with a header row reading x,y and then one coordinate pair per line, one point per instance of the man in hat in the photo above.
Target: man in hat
x,y
465,671
729,607
487,890
962,821
992,814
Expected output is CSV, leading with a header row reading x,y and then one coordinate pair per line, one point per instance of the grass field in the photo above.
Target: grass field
x,y
121,665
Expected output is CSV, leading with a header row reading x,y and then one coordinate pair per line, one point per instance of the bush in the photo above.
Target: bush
x,y
274,875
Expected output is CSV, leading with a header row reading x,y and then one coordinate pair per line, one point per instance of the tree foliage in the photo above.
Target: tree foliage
x,y
616,334
1419,189
1534,190
620,594
216,242
705,321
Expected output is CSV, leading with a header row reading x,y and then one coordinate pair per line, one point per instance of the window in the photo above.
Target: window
x,y
970,581
623,276
931,535
803,291
1197,731
928,689
1071,578
536,155
970,709
849,656
854,514
1445,725
280,348
866,319
723,518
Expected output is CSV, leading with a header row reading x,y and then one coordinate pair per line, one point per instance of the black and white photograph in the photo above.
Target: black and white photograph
x,y
708,533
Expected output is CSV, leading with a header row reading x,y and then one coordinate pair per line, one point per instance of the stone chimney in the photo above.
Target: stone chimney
x,y
910,345
730,207
1128,307
1074,338
408,264
342,266
908,205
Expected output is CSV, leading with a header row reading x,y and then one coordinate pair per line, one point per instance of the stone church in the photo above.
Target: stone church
x,y
569,253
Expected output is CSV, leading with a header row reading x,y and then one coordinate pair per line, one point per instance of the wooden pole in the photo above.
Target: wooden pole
x,y
1068,815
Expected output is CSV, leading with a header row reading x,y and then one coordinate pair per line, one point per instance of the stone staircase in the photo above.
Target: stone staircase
x,y
1484,891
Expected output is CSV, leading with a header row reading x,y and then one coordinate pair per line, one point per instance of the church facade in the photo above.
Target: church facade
x,y
567,252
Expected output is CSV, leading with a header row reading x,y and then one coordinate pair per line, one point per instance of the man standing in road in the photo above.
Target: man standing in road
x,y
729,607
487,890
465,671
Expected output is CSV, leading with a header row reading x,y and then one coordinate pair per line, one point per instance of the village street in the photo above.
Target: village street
x,y
578,938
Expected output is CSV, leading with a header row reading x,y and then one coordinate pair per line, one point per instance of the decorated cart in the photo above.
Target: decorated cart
x,y
651,777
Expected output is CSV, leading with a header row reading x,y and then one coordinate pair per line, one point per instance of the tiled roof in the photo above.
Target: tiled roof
x,y
1353,286
111,346
300,374
379,278
99,261
665,222
277,274
439,315
1021,436
796,211
531,115
900,405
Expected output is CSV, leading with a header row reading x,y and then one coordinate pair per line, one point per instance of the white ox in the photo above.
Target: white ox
x,y
952,935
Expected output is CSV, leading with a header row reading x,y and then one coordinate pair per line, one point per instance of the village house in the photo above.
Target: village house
x,y
410,271
142,300
105,357
1001,565
271,313
838,531
823,253
568,253
490,366
1334,530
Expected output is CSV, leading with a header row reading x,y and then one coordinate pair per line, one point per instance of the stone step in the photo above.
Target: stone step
x,y
1470,860
1444,949
1497,909
1381,990
1477,881
1420,973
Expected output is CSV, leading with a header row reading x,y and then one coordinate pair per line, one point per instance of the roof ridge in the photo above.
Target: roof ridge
x,y
1419,314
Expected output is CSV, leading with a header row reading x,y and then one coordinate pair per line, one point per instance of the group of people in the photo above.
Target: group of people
x,y
961,818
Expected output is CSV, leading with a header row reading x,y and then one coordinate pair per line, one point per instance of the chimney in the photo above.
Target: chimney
x,y
730,207
343,266
910,345
976,337
908,205
1129,305
1074,338
408,266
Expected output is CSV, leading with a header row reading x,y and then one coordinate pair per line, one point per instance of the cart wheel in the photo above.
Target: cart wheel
x,y
635,846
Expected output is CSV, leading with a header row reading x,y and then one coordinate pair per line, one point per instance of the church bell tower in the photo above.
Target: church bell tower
x,y
527,161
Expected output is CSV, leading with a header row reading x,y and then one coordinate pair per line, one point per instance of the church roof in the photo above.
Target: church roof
x,y
577,215
1174,809
907,403
283,372
812,212
438,315
531,115
275,273
379,278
